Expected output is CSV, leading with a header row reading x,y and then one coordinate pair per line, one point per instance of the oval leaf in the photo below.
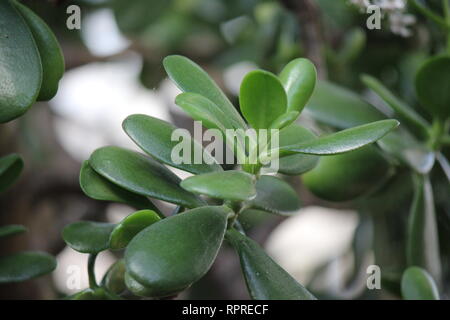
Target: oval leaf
x,y
154,136
98,188
189,77
284,120
228,185
10,168
114,279
262,99
417,284
25,266
433,86
12,229
299,79
265,279
129,227
343,141
137,288
50,52
142,175
87,236
168,256
20,65
275,196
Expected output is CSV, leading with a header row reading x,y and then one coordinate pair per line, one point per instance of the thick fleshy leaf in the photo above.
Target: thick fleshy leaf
x,y
20,65
12,229
284,120
189,77
114,279
10,168
154,136
142,175
433,86
99,188
275,196
137,288
88,236
262,98
340,107
227,185
343,141
170,255
422,247
348,176
405,148
52,59
25,266
297,163
417,284
265,279
299,79
129,227
400,107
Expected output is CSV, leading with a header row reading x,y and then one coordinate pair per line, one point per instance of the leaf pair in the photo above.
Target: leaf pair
x,y
32,62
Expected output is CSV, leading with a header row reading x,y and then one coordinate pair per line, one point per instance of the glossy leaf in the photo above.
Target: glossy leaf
x,y
10,168
298,163
417,284
12,229
340,107
422,247
299,79
343,141
189,77
275,196
262,99
137,288
129,227
265,279
154,136
87,236
20,65
142,175
25,266
114,279
170,255
228,185
400,107
52,59
284,120
433,86
99,188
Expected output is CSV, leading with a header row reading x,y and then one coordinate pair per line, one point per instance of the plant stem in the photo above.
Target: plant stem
x,y
91,264
430,14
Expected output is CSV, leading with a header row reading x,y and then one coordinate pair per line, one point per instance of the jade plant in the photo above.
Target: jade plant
x,y
164,255
31,65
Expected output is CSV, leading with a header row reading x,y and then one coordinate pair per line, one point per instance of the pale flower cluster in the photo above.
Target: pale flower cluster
x,y
394,10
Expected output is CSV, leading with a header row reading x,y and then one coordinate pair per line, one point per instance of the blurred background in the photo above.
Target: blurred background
x,y
114,69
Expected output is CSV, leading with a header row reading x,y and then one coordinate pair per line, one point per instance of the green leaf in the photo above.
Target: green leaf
x,y
265,279
422,247
129,227
25,266
284,120
404,111
229,185
262,98
99,188
298,163
275,196
114,279
405,148
142,175
154,136
12,229
189,77
10,168
94,294
343,141
87,236
299,79
20,65
52,59
340,107
417,284
170,255
137,288
433,86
